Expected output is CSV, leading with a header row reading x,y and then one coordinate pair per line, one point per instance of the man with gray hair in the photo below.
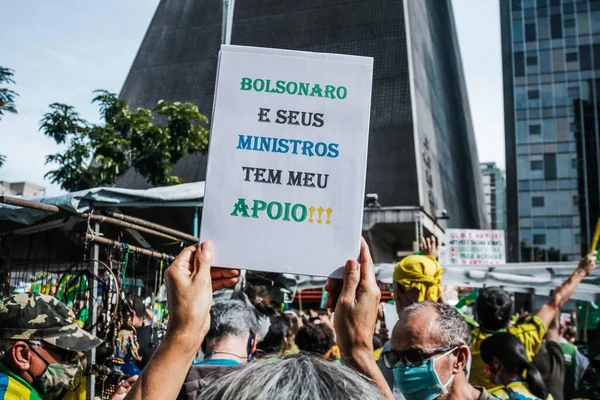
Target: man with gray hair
x,y
430,354
230,341
299,376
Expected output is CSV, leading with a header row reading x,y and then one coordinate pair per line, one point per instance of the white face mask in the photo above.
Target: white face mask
x,y
468,369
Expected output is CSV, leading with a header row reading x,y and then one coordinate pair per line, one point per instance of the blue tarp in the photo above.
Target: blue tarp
x,y
184,195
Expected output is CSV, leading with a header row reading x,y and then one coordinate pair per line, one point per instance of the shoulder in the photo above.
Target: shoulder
x,y
495,393
531,325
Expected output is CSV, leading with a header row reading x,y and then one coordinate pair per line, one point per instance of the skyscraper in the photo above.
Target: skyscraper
x,y
551,63
422,156
495,195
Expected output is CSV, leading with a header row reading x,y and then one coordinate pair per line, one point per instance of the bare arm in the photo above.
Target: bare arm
x,y
563,293
356,302
189,280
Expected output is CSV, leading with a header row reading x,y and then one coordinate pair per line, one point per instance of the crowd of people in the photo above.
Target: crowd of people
x,y
244,348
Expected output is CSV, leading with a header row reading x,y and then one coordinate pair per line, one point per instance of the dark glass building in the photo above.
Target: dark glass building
x,y
422,156
551,62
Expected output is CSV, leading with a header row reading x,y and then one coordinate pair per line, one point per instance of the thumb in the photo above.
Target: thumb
x,y
351,280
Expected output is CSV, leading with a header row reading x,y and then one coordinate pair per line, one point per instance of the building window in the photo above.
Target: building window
x,y
550,167
555,26
569,23
574,163
573,92
571,57
537,165
576,201
539,238
533,94
537,202
519,61
532,60
530,34
535,129
585,57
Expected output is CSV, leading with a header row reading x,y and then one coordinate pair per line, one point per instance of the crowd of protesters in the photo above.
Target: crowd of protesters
x,y
244,348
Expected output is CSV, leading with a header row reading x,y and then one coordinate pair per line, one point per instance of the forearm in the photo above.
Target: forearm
x,y
164,375
366,365
561,295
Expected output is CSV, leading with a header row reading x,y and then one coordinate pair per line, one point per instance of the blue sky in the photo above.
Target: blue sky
x,y
63,50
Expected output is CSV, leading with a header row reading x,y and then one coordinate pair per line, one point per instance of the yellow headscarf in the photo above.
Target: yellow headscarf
x,y
422,273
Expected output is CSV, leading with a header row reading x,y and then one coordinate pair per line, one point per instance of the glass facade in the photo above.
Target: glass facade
x,y
494,190
551,54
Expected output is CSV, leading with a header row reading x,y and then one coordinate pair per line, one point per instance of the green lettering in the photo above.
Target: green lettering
x,y
316,91
280,87
329,92
303,89
246,84
277,215
303,211
259,205
286,216
292,87
240,207
342,92
259,85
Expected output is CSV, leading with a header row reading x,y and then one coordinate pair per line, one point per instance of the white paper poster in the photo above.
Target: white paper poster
x,y
287,160
474,247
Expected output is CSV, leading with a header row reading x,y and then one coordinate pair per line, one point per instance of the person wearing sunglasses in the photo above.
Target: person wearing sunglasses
x,y
430,354
41,345
417,278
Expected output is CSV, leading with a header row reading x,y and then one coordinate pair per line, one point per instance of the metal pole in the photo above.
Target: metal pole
x,y
179,236
196,230
151,225
91,379
228,8
108,242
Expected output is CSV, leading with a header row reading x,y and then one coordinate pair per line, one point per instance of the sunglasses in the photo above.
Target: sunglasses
x,y
64,356
411,357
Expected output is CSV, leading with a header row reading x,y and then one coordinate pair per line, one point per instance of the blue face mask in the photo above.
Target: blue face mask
x,y
422,382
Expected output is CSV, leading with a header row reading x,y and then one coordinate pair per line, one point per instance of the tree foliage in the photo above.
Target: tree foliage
x,y
149,141
7,96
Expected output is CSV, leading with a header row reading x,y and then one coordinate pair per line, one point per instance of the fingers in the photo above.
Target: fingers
x,y
185,258
220,273
223,283
367,269
203,261
351,281
132,380
423,244
433,242
333,288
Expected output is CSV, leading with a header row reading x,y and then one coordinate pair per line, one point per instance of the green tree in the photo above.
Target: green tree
x,y
7,98
151,142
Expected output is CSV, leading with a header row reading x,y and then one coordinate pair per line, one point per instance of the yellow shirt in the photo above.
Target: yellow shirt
x,y
520,392
531,333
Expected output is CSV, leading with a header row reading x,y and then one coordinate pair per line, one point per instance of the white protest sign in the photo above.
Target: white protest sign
x,y
474,247
287,160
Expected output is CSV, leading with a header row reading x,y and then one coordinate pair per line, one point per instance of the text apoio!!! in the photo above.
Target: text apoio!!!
x,y
294,88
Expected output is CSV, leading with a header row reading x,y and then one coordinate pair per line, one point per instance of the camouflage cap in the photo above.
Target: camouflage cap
x,y
33,316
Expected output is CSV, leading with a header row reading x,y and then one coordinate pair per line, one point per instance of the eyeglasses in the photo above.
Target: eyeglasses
x,y
411,357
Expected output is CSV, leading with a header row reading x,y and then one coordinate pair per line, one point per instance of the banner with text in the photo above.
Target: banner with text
x,y
473,247
287,159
